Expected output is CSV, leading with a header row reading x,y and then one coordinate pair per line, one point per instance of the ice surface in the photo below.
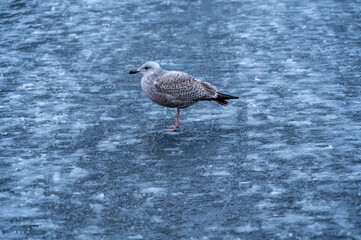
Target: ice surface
x,y
82,154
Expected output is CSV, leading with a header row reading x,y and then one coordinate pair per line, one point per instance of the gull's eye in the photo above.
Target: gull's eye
x,y
146,68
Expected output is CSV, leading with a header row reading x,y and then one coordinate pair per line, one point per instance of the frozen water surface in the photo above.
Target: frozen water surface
x,y
82,151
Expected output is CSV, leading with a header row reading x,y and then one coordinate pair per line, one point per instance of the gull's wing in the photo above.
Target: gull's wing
x,y
183,86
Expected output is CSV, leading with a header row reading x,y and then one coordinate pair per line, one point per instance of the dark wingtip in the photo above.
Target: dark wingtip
x,y
222,102
226,96
221,98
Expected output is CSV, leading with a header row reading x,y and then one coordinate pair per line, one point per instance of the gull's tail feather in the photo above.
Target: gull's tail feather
x,y
222,98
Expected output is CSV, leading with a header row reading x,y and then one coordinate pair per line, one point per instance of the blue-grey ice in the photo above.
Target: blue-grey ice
x,y
281,162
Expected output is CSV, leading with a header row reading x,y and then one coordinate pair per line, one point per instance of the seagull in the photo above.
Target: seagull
x,y
175,89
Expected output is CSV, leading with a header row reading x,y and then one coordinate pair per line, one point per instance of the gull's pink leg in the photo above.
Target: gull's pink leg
x,y
174,127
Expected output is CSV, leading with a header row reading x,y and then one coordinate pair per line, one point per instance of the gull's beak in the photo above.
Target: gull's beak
x,y
134,71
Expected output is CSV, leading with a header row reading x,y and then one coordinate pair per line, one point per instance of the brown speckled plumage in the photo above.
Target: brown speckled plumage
x,y
176,89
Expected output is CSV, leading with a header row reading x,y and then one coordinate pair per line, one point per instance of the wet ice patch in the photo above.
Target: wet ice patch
x,y
246,228
89,230
174,151
216,171
107,145
77,172
114,141
152,190
135,237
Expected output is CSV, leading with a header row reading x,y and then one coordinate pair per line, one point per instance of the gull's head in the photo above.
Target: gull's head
x,y
147,68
